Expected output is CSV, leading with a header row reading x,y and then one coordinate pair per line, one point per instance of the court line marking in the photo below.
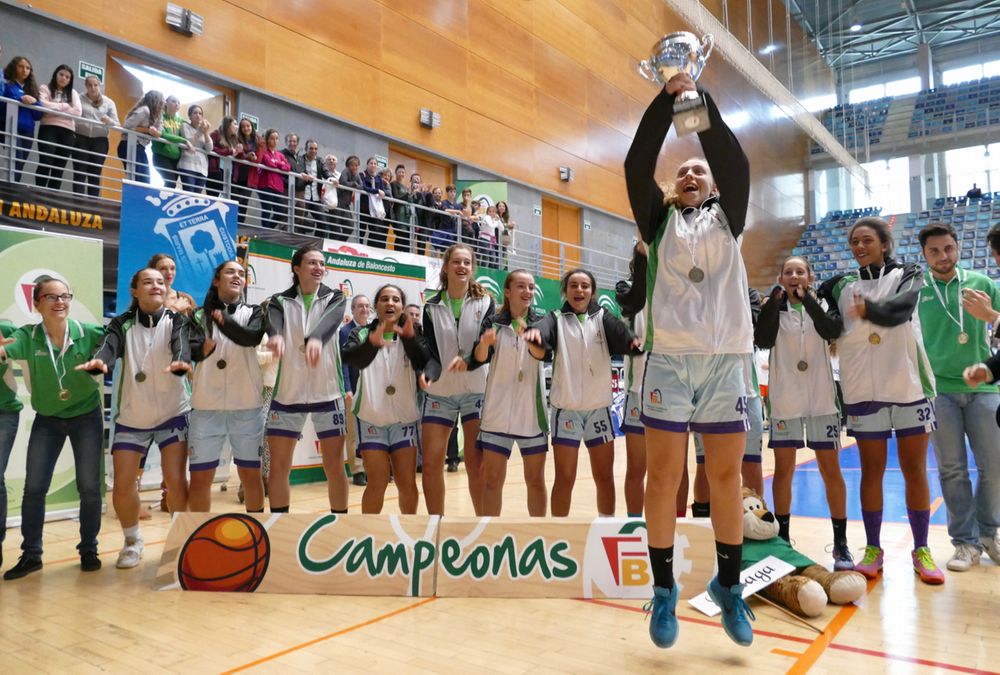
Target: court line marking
x,y
329,636
785,652
827,641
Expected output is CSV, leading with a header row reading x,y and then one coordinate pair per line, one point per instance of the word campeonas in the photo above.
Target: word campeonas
x,y
364,555
46,214
505,559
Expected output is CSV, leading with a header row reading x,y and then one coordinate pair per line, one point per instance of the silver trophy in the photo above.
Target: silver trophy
x,y
681,53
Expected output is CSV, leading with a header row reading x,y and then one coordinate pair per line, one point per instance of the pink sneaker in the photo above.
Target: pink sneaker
x,y
926,568
871,563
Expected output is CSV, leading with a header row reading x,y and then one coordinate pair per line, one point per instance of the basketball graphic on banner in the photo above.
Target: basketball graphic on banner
x,y
228,553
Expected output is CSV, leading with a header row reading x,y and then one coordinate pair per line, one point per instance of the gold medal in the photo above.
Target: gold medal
x,y
874,338
64,394
696,274
302,348
520,376
390,390
963,338
802,366
140,376
221,364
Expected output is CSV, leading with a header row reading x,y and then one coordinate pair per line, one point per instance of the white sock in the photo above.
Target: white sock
x,y
131,532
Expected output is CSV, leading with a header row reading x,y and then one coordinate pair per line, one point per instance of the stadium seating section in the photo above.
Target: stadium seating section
x,y
825,245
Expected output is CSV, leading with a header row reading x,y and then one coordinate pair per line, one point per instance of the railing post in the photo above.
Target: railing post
x,y
10,113
291,202
227,178
130,150
562,259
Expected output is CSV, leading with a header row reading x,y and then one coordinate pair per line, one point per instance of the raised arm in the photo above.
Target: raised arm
x,y
644,195
358,351
248,335
331,320
765,330
730,167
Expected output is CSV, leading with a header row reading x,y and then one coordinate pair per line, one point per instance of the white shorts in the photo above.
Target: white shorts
x,y
388,438
874,420
593,427
819,432
288,420
210,429
703,393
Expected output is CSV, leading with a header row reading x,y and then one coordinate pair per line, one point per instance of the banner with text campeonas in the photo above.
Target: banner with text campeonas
x,y
418,555
269,272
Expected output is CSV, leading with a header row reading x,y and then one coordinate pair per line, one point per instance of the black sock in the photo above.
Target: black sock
x,y
662,560
783,523
260,510
730,558
279,509
338,511
839,531
701,509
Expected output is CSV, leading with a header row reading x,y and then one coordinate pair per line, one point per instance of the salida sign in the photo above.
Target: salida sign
x,y
424,555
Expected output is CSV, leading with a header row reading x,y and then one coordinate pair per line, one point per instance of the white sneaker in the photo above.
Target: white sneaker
x,y
992,547
130,555
966,555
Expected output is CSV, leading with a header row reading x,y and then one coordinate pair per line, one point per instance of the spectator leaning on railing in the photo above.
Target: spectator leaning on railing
x,y
401,210
227,146
193,164
349,178
143,118
167,150
371,208
271,184
19,84
312,177
56,133
245,175
91,146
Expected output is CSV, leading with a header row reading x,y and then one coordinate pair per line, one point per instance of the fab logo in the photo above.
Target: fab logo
x,y
616,560
655,397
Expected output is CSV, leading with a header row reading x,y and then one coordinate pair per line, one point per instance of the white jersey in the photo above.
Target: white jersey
x,y
515,388
297,382
795,392
230,378
448,338
880,364
147,344
387,387
637,364
710,316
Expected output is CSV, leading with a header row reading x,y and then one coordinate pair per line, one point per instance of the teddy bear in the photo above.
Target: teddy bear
x,y
808,589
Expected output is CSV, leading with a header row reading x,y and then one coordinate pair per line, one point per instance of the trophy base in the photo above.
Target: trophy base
x,y
691,116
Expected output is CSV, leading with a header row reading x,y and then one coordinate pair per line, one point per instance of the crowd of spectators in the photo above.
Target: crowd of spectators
x,y
189,153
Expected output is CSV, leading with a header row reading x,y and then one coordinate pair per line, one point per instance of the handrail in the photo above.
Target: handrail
x,y
424,224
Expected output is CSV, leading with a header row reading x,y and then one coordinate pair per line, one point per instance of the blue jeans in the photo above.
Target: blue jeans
x,y
48,435
141,161
192,182
973,415
8,430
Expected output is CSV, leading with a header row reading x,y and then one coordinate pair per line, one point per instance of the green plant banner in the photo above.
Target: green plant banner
x,y
548,297
26,255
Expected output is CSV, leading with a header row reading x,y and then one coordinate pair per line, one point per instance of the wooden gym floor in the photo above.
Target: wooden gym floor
x,y
63,621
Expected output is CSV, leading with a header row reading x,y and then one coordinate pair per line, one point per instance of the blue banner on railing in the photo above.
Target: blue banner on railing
x,y
197,231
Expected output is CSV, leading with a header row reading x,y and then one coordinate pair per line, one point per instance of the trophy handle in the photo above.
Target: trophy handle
x,y
646,70
707,45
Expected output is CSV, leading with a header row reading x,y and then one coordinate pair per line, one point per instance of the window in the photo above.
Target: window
x,y
909,85
977,164
970,73
870,93
890,183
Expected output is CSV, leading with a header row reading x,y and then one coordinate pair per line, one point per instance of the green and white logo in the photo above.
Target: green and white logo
x,y
491,286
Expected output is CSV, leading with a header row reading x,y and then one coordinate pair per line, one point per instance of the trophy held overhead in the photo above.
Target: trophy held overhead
x,y
675,53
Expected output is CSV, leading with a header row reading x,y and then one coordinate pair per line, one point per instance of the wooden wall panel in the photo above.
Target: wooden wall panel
x,y
548,83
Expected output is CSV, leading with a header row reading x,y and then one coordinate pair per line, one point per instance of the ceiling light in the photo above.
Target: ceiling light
x,y
855,27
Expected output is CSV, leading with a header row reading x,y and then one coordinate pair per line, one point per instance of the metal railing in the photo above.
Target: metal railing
x,y
410,225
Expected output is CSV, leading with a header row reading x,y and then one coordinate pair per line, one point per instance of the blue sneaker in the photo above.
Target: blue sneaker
x,y
735,611
663,626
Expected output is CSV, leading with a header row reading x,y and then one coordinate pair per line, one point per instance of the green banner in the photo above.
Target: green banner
x,y
26,255
548,297
486,192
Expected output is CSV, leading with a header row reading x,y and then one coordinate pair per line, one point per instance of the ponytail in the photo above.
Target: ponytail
x,y
476,289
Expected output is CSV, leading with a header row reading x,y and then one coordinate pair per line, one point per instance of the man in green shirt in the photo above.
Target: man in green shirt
x,y
10,408
955,306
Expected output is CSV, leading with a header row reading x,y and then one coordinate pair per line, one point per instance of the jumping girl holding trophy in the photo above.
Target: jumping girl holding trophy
x,y
698,333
